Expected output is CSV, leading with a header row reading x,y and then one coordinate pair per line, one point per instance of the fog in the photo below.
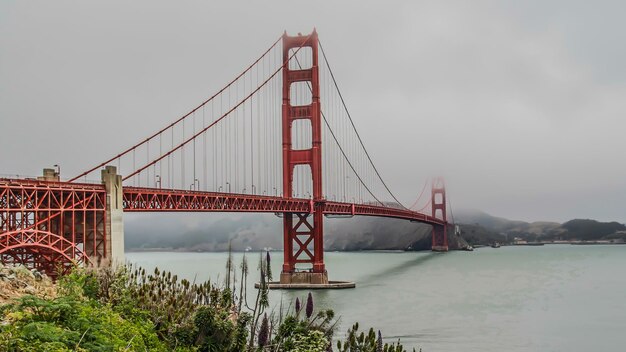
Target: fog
x,y
519,105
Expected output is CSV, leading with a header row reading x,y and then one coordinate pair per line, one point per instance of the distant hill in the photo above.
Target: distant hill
x,y
586,229
577,229
480,235
493,223
206,232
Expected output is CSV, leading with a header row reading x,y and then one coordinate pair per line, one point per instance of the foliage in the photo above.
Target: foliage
x,y
128,309
361,342
309,305
109,309
264,332
309,341
71,323
305,334
298,335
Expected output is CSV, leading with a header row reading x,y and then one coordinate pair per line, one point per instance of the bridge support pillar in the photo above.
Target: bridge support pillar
x,y
438,201
114,223
440,238
303,245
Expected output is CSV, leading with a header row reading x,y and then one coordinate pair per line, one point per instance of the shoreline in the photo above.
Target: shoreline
x,y
531,244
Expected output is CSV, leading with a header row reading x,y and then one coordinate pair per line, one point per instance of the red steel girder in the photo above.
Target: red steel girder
x,y
49,225
136,199
140,199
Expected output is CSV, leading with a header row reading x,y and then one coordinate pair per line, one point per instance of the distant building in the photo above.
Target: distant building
x,y
519,240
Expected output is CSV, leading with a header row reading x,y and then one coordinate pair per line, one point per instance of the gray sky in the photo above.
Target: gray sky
x,y
520,105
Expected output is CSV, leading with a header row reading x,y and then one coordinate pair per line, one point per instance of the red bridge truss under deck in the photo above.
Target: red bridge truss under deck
x,y
138,199
49,226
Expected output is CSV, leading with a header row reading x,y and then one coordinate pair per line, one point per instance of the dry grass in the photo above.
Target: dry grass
x,y
18,281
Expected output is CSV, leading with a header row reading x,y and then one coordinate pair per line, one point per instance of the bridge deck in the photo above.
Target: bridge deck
x,y
139,199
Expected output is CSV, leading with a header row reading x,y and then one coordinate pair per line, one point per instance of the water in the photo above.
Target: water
x,y
549,298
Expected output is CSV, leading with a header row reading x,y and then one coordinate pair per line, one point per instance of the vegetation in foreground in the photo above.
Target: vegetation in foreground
x,y
128,309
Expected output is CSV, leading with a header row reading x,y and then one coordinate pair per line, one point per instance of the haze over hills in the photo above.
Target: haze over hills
x,y
577,229
203,232
197,232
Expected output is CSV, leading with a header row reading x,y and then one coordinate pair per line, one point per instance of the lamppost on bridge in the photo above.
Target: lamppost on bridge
x,y
228,184
219,189
58,171
275,191
195,180
157,181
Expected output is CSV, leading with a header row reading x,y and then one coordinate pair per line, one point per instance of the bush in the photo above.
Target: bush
x,y
70,323
127,309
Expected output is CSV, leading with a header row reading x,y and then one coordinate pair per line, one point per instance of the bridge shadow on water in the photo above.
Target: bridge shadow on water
x,y
375,279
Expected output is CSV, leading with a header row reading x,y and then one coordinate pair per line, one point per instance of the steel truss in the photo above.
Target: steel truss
x,y
51,226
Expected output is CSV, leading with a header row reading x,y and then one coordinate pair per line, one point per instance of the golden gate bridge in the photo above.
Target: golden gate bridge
x,y
278,138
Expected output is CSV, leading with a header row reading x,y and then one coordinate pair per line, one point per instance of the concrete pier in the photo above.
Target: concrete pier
x,y
304,277
305,280
114,216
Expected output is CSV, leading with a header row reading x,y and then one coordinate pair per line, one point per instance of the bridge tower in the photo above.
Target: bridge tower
x,y
303,239
438,201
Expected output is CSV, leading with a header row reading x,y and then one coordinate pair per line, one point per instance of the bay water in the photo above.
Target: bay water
x,y
548,298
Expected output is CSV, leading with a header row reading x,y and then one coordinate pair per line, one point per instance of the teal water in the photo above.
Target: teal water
x,y
549,298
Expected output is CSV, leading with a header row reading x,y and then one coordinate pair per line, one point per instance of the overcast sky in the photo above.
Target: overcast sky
x,y
520,105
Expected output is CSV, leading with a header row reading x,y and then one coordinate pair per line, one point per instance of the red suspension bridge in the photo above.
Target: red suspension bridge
x,y
276,139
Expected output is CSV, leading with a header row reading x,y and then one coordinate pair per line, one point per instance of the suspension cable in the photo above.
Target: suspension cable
x,y
181,118
420,196
354,127
338,144
217,120
450,207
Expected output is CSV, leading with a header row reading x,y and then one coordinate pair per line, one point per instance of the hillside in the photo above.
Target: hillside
x,y
203,232
577,229
199,232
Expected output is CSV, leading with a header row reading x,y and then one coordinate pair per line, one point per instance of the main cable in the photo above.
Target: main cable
x,y
354,127
181,145
181,118
337,141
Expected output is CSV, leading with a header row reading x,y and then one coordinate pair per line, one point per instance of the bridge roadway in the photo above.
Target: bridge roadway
x,y
139,199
